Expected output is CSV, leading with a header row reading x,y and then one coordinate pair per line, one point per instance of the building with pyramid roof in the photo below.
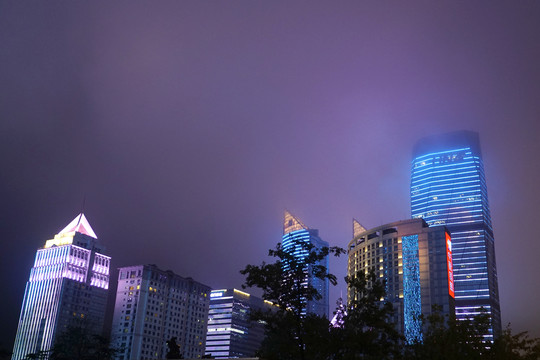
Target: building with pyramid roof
x,y
295,233
68,286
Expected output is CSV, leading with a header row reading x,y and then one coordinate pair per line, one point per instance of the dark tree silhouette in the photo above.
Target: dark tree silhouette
x,y
77,343
289,333
173,349
367,331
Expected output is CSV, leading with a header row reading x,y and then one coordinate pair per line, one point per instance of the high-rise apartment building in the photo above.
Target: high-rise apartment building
x,y
448,187
294,234
415,261
152,307
68,286
231,332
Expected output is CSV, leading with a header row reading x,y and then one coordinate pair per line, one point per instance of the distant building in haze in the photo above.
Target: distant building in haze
x,y
68,286
448,187
415,261
152,306
294,234
231,332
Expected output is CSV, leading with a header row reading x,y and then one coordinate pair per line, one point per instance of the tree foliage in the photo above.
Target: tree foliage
x,y
291,334
446,338
515,347
173,351
368,331
78,343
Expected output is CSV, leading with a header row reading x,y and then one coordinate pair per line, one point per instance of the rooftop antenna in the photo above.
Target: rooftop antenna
x,y
82,209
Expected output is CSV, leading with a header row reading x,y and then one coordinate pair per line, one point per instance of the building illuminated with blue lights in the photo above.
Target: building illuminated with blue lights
x,y
68,286
231,332
415,262
294,234
448,187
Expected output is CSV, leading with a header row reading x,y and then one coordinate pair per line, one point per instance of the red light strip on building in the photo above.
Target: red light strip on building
x,y
449,265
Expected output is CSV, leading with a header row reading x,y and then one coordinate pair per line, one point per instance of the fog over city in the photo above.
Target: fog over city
x,y
183,130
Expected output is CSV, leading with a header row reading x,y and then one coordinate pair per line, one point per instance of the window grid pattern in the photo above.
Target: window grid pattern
x,y
292,243
449,188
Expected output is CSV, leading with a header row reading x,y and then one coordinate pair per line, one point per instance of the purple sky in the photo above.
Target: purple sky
x,y
190,126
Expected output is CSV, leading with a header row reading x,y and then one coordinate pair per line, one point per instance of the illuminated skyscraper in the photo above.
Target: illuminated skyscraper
x,y
231,332
415,261
153,306
295,233
67,287
448,187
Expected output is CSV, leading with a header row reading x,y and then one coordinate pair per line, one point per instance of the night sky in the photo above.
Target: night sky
x,y
189,126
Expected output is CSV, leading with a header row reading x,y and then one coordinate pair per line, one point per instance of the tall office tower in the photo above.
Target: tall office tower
x,y
415,260
294,234
231,332
448,187
153,306
68,286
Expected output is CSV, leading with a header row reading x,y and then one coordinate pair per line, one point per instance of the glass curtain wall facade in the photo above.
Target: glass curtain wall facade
x,y
448,187
412,259
231,332
294,234
68,286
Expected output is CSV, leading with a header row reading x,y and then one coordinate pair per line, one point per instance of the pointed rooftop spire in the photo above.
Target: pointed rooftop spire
x,y
357,228
79,224
291,223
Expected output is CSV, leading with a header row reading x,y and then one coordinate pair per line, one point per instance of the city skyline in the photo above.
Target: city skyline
x,y
189,127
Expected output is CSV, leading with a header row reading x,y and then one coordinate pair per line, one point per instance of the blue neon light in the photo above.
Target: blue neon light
x,y
411,289
448,187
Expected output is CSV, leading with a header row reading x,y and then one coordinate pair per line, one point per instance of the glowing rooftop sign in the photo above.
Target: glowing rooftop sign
x,y
79,224
216,293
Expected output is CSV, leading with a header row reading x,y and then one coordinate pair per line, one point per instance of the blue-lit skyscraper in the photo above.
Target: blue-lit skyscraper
x,y
448,187
294,234
68,286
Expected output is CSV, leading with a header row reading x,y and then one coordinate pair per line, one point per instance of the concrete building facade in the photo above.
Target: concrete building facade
x,y
415,262
152,306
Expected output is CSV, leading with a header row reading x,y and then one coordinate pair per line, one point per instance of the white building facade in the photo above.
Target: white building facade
x,y
68,286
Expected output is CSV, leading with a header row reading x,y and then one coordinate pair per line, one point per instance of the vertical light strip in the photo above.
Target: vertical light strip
x,y
42,298
411,289
449,265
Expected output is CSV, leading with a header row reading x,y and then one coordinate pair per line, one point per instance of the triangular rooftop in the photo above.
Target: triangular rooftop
x,y
291,223
357,228
79,224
